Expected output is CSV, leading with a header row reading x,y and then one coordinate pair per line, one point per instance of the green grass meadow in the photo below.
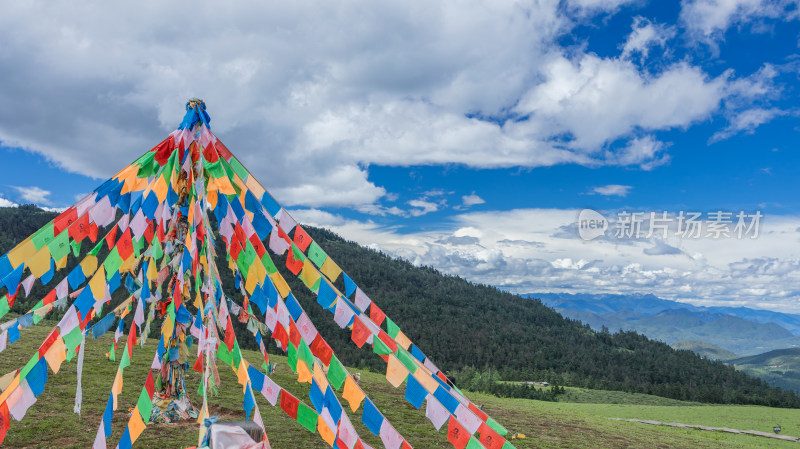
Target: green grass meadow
x,y
581,422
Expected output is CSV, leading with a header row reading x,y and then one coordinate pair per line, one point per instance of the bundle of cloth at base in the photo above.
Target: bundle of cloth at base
x,y
232,435
167,409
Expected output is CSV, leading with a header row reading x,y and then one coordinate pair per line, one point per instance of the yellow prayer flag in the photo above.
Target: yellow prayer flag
x,y
167,328
330,269
98,284
6,380
303,373
135,424
280,284
224,185
426,380
116,388
402,340
89,265
160,189
152,271
61,263
11,387
310,275
252,277
319,376
396,372
211,197
21,253
352,393
56,354
39,264
325,432
255,188
241,374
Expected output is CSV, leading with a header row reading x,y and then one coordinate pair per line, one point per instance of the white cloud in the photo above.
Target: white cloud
x,y
470,200
613,190
645,35
308,101
6,203
747,121
521,250
711,18
422,207
33,194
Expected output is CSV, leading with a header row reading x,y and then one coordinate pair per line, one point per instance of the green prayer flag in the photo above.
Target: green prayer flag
x,y
298,255
379,347
59,246
145,405
336,373
96,248
473,444
307,417
406,359
268,265
43,236
29,366
72,340
112,263
508,445
76,248
239,169
112,355
236,354
316,254
4,308
391,328
224,355
158,252
496,427
147,165
304,354
126,358
291,357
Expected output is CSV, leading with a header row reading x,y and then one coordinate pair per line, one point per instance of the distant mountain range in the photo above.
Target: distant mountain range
x,y
780,368
740,330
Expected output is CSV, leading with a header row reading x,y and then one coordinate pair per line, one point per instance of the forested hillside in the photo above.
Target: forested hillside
x,y
459,324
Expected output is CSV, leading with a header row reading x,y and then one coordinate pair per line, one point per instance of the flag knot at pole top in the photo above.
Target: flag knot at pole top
x,y
195,112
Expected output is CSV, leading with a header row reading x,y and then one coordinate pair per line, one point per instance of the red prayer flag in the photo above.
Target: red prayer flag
x,y
111,237
48,342
280,334
360,332
301,238
163,150
4,421
294,334
80,228
149,385
457,435
198,365
293,264
64,220
289,404
376,314
321,349
489,438
125,245
229,336
386,339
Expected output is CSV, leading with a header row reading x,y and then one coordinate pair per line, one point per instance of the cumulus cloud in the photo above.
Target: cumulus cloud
x,y
519,251
33,194
711,18
612,190
7,203
309,102
422,207
645,35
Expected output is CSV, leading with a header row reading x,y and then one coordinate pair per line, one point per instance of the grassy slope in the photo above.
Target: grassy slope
x,y
706,350
780,367
51,422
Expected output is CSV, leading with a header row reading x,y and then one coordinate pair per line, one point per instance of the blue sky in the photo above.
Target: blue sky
x,y
463,136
